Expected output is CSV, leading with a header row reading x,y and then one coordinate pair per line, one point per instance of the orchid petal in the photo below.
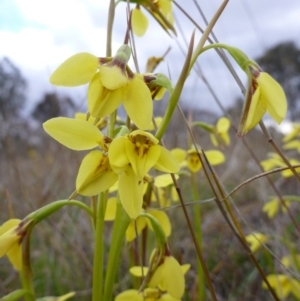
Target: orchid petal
x,y
166,162
139,22
75,71
94,174
102,101
74,133
274,94
141,163
138,103
131,193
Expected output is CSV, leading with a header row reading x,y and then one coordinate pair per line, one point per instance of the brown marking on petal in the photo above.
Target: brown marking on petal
x,y
104,60
107,139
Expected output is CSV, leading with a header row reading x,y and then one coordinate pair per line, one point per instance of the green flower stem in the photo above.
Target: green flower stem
x,y
110,23
40,214
160,235
174,97
207,31
97,289
121,223
26,274
198,232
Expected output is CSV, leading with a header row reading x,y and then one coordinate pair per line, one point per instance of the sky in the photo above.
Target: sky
x,y
37,36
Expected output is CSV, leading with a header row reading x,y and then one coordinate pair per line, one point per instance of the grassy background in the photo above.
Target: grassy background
x,y
36,170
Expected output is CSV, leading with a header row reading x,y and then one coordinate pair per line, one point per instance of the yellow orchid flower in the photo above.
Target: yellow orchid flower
x,y
169,277
95,174
276,161
111,82
166,269
214,157
11,242
161,10
291,261
264,95
256,240
272,207
283,285
221,131
131,157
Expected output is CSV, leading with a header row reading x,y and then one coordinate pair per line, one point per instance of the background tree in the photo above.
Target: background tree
x,y
283,63
12,89
12,100
52,105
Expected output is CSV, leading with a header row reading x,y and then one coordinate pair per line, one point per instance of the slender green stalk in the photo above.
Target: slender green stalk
x,y
110,23
26,274
121,223
174,98
198,232
97,289
27,286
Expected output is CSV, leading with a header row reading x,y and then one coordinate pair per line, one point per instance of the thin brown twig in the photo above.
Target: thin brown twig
x,y
240,236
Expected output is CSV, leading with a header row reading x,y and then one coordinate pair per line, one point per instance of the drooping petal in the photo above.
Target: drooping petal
x,y
74,133
157,277
223,125
164,180
9,240
214,139
257,110
166,162
95,174
141,163
76,70
274,95
179,154
139,22
15,256
138,103
163,220
225,138
135,228
138,271
173,278
131,193
215,157
102,101
112,77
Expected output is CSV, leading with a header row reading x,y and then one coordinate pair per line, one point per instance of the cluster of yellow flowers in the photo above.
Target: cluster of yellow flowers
x,y
124,158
